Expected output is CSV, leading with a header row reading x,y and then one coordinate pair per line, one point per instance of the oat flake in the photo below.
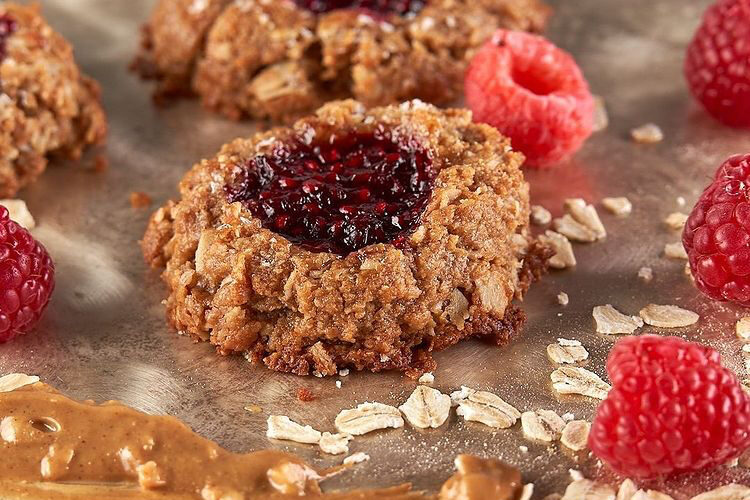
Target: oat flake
x,y
335,444
282,427
564,256
566,352
527,492
357,458
619,206
675,251
676,220
542,425
19,213
627,490
610,321
563,299
426,408
586,215
14,381
484,407
646,274
577,380
650,495
573,230
427,378
668,316
368,417
575,435
729,492
588,490
540,215
647,134
743,328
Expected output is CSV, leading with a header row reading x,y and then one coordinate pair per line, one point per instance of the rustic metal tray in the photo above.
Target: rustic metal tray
x,y
104,335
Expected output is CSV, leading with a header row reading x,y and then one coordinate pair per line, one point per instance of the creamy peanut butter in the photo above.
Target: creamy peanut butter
x,y
52,447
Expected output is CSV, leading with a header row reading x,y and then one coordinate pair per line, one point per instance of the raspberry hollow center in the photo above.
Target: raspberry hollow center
x,y
398,7
338,195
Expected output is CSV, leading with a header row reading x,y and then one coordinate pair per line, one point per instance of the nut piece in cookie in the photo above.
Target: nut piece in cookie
x,y
46,105
354,239
282,59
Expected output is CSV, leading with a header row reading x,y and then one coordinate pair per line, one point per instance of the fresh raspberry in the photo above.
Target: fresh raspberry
x,y
717,234
338,195
532,92
27,278
718,62
673,408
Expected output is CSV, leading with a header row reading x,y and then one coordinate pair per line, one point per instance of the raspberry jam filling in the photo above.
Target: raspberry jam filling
x,y
7,27
339,195
399,7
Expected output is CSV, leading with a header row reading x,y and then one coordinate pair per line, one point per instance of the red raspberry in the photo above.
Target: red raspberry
x,y
532,92
717,234
718,62
27,278
673,408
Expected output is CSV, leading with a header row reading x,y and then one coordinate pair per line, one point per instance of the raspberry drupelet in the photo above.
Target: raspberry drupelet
x,y
717,234
27,278
673,408
532,92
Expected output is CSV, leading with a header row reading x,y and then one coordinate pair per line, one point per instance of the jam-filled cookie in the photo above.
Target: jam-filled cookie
x,y
283,58
47,107
353,239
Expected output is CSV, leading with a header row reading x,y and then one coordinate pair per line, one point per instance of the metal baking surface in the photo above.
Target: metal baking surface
x,y
104,335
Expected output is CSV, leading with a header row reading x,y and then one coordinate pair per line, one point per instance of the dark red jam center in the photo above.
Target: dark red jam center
x,y
339,195
7,27
399,7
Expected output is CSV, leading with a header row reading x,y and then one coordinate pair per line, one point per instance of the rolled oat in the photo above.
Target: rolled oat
x,y
368,417
610,321
577,380
484,407
542,425
668,316
426,407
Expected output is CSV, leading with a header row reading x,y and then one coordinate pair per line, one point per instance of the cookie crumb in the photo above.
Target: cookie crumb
x,y
540,215
601,117
139,200
675,251
676,220
338,384
646,274
649,133
743,328
101,164
619,206
306,395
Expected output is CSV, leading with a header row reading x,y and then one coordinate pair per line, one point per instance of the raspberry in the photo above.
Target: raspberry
x,y
8,26
532,92
338,195
717,67
27,278
717,234
400,7
673,408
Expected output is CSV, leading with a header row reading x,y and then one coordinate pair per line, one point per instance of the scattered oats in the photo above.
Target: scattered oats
x,y
563,299
577,380
568,417
564,256
426,408
610,321
584,489
573,230
344,372
567,352
357,458
484,407
368,417
587,215
627,490
281,427
575,435
668,316
576,475
542,425
527,492
338,384
647,134
19,212
675,251
524,449
601,118
335,444
14,381
729,492
427,378
540,215
676,220
646,274
743,328
650,495
681,201
619,206
288,478
253,408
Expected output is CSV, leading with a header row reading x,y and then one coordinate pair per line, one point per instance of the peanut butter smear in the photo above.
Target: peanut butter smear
x,y
53,447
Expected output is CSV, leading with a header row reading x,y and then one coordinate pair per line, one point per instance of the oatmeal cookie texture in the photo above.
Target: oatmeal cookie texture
x,y
282,58
47,107
453,274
